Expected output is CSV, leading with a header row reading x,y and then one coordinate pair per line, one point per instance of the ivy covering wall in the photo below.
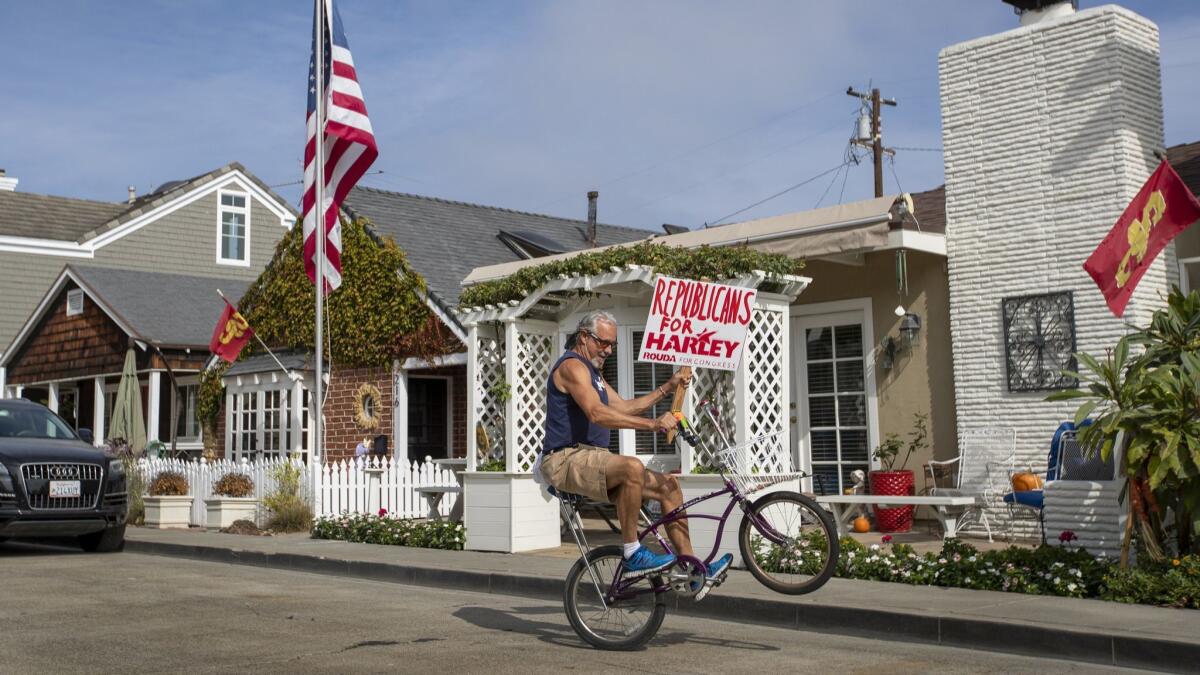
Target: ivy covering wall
x,y
366,318
705,262
375,316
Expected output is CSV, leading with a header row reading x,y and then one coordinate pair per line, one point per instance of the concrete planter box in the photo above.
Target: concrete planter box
x,y
703,530
223,511
508,512
164,512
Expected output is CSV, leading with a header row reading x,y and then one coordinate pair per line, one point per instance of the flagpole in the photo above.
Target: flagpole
x,y
319,214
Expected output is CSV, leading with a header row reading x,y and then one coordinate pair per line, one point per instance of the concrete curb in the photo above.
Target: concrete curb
x,y
1046,641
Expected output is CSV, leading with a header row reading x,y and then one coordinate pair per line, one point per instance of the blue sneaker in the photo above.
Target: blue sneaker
x,y
644,561
719,566
715,575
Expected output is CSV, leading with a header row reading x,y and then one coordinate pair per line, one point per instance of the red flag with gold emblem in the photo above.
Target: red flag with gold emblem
x,y
1163,208
231,334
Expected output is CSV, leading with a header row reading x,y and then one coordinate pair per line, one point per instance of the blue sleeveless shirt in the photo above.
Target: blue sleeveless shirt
x,y
566,423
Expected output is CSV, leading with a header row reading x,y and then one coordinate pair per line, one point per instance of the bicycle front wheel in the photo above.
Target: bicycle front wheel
x,y
621,623
789,543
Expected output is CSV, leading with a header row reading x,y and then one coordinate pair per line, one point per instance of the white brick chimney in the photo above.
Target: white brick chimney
x,y
1049,130
7,183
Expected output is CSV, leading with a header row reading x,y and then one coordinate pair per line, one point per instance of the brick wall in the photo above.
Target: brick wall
x,y
342,433
1049,131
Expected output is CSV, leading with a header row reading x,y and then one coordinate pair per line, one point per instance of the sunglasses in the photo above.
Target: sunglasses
x,y
604,344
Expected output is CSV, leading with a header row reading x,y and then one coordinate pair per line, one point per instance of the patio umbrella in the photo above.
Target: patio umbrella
x,y
127,422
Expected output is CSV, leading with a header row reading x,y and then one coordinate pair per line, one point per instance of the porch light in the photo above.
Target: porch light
x,y
910,329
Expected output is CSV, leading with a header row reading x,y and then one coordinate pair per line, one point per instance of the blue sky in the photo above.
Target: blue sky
x,y
677,112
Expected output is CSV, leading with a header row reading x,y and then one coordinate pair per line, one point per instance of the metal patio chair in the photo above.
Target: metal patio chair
x,y
987,456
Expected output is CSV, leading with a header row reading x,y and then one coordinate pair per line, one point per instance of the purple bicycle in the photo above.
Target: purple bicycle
x,y
787,541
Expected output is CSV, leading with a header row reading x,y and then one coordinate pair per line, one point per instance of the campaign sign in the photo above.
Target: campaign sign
x,y
696,323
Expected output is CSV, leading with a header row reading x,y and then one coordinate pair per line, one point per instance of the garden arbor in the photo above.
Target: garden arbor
x,y
511,348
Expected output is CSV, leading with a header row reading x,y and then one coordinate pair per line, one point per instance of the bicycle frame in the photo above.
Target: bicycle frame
x,y
619,588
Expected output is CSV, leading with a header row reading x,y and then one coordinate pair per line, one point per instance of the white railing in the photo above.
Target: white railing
x,y
340,486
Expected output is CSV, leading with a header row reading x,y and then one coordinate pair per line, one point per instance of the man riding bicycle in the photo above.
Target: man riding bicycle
x,y
580,410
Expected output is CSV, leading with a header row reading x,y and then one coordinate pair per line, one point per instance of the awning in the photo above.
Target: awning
x,y
845,228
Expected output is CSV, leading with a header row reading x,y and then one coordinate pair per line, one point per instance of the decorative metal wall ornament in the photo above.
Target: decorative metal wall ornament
x,y
1039,341
366,406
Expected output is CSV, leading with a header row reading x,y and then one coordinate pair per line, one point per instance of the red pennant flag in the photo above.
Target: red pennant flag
x,y
231,334
1163,208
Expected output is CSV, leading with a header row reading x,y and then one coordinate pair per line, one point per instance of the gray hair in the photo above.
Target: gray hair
x,y
590,322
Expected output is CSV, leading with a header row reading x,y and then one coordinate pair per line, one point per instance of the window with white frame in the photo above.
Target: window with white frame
x,y
263,421
233,240
646,378
1189,274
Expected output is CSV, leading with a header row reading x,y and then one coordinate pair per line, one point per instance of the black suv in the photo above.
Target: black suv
x,y
53,483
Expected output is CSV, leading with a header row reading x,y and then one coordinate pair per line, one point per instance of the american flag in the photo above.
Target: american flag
x,y
349,144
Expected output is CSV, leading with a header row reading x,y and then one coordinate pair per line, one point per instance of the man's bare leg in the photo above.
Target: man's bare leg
x,y
625,479
665,488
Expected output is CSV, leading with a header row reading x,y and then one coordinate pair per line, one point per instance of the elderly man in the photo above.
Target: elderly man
x,y
581,408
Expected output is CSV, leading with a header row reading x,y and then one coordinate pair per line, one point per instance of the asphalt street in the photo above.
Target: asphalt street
x,y
63,612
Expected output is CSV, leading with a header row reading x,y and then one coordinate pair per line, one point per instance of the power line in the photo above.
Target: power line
x,y
830,186
897,147
694,150
777,194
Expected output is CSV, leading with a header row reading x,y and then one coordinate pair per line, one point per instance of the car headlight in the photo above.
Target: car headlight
x,y
116,467
6,484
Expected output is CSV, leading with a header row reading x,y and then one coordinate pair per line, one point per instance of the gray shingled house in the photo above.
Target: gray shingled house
x,y
103,274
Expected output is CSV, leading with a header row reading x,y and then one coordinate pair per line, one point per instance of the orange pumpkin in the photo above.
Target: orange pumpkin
x,y
862,524
1025,482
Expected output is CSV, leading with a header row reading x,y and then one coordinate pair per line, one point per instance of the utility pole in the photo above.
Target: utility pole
x,y
876,140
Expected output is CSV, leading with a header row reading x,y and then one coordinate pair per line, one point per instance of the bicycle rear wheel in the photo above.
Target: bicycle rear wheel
x,y
623,623
789,543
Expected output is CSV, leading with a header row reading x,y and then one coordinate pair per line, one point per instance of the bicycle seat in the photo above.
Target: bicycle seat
x,y
568,497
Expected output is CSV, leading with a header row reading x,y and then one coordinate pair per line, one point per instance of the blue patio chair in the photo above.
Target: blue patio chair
x,y
1034,500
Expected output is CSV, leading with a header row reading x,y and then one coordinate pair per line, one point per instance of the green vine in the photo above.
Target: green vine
x,y
371,319
211,395
705,262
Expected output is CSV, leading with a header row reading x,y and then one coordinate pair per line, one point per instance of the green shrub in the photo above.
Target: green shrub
x,y
384,529
1045,570
169,484
234,485
288,512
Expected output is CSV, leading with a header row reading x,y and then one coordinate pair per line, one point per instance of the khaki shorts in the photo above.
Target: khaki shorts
x,y
579,469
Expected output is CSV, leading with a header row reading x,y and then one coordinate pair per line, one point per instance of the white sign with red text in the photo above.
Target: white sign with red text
x,y
696,323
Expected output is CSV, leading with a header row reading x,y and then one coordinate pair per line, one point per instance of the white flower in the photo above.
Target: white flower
x,y
850,555
874,547
1057,580
971,559
941,561
967,580
1071,587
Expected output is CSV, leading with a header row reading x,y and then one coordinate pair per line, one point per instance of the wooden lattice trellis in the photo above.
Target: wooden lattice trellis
x,y
489,390
534,354
766,381
715,386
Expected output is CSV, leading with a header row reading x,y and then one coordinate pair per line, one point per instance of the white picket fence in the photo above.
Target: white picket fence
x,y
340,486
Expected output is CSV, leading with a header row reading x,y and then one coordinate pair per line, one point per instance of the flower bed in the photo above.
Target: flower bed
x,y
390,530
1046,570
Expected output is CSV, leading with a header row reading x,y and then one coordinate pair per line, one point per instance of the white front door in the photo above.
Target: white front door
x,y
835,420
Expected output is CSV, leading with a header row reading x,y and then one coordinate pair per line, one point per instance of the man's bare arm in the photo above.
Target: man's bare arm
x,y
574,378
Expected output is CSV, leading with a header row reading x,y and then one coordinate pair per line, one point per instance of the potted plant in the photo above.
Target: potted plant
x,y
232,499
168,503
897,481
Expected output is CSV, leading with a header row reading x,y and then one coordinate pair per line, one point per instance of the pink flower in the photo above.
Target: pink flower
x,y
887,538
1066,536
382,512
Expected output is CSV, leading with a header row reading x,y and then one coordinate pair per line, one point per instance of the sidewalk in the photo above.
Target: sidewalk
x,y
1136,636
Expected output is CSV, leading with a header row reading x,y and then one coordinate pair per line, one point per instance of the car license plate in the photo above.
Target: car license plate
x,y
63,489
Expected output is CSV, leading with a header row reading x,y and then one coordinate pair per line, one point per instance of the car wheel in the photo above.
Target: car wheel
x,y
107,541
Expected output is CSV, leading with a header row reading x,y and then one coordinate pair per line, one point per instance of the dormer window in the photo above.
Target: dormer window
x,y
233,229
74,302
